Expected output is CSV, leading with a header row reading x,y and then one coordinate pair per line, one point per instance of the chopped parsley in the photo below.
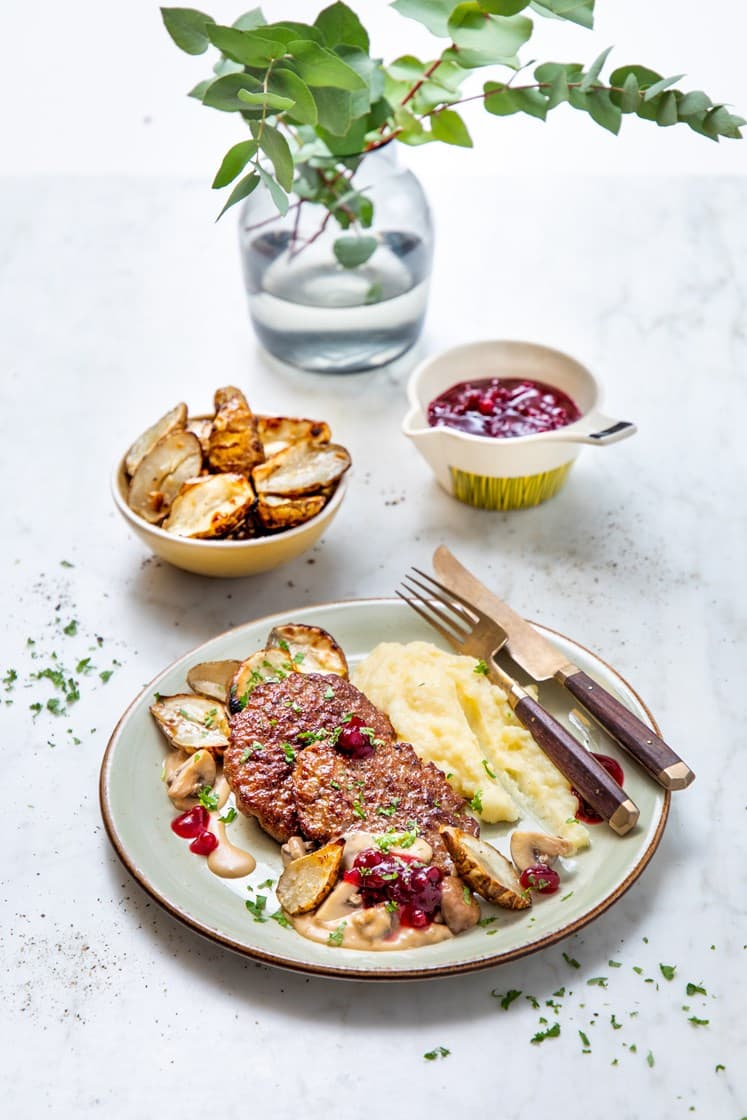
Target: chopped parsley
x,y
560,993
84,666
283,645
481,668
257,907
614,1023
71,629
476,802
335,785
488,771
313,736
209,719
466,894
585,1040
290,754
53,706
390,809
36,708
507,998
567,896
247,752
551,1032
698,1022
719,1067
668,971
281,919
487,922
696,990
391,906
9,679
439,1052
533,1001
231,815
298,657
335,938
598,981
571,961
329,692
106,675
650,1060
614,964
207,798
392,839
358,809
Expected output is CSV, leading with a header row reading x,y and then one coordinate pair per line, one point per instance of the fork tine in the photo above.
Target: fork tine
x,y
479,615
455,622
445,599
450,638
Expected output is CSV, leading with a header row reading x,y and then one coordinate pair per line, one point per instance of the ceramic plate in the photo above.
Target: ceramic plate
x,y
137,815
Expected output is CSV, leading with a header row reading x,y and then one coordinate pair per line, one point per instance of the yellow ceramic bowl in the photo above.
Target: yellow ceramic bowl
x,y
226,558
506,473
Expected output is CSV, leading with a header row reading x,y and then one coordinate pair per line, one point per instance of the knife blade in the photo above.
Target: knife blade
x,y
542,661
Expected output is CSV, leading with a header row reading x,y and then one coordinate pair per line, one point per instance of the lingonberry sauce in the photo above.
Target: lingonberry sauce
x,y
191,823
413,886
585,812
502,407
542,879
355,739
204,844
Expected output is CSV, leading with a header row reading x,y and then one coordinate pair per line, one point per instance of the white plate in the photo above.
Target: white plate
x,y
137,815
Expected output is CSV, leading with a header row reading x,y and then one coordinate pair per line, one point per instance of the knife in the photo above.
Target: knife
x,y
542,661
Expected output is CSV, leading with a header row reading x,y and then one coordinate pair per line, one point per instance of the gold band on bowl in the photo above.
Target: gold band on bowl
x,y
486,492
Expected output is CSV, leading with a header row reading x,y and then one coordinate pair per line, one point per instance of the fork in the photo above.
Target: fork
x,y
468,630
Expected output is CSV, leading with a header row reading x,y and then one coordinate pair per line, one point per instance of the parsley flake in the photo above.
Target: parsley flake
x,y
106,675
481,668
668,971
71,629
571,961
488,771
698,1022
231,815
650,1060
207,798
476,802
257,907
290,754
551,1032
696,990
585,1039
329,692
335,938
281,919
506,999
598,981
439,1052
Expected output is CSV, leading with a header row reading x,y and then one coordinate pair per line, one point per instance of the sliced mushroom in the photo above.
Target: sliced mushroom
x,y
307,881
160,475
302,468
174,420
459,907
373,923
286,513
309,648
294,848
531,849
210,506
192,723
188,780
485,870
234,443
276,432
213,678
262,666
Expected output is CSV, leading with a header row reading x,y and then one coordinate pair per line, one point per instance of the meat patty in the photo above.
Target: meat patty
x,y
390,789
279,720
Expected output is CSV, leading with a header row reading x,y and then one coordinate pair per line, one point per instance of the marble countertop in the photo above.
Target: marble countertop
x,y
119,297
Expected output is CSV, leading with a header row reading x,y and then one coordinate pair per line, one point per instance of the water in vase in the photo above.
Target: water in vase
x,y
311,312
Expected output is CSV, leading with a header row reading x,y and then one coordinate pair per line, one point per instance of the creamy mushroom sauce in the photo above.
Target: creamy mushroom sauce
x,y
369,929
228,861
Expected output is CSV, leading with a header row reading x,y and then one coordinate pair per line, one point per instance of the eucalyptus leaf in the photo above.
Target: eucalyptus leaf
x,y
576,11
493,38
692,103
250,20
188,28
659,87
643,75
288,84
558,90
334,108
434,14
265,100
666,113
594,70
275,146
250,48
242,190
448,126
320,67
276,192
354,251
602,109
631,95
199,90
234,162
339,24
500,99
504,7
223,93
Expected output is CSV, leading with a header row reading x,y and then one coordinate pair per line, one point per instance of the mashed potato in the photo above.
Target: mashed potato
x,y
457,719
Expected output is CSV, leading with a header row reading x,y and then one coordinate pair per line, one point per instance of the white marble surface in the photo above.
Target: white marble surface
x,y
118,296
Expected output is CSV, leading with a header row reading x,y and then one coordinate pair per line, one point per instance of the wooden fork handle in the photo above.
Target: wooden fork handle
x,y
661,762
587,776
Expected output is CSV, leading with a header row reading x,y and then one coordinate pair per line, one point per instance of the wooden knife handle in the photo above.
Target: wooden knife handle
x,y
587,776
661,762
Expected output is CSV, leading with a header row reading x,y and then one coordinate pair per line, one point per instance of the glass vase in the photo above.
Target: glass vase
x,y
312,312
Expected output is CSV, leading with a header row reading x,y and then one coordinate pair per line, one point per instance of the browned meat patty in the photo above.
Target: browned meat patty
x,y
279,720
390,789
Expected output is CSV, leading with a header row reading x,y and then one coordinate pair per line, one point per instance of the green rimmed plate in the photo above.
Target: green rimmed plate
x,y
137,815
